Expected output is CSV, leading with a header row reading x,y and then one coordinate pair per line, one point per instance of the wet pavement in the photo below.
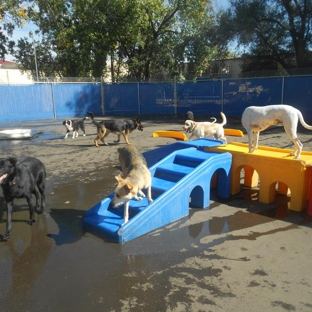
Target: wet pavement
x,y
236,255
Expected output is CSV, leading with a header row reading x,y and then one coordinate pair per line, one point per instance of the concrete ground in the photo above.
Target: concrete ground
x,y
236,255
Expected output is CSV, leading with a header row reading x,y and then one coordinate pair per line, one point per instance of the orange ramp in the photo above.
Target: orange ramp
x,y
179,135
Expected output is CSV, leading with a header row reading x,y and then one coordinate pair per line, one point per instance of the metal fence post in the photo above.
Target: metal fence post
x,y
102,96
222,95
53,100
175,95
139,102
283,86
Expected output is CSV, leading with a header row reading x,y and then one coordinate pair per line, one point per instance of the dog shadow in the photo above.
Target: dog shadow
x,y
69,223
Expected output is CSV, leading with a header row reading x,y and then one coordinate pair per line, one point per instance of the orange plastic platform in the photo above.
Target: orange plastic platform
x,y
179,135
272,165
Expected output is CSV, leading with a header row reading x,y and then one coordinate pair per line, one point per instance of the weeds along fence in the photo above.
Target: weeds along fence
x,y
205,98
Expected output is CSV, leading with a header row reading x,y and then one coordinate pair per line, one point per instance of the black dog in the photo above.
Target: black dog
x,y
21,181
74,125
118,126
189,115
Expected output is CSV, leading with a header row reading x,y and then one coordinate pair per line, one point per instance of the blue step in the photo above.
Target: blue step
x,y
182,175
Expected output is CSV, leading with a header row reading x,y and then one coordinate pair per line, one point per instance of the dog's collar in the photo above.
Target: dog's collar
x,y
135,180
12,182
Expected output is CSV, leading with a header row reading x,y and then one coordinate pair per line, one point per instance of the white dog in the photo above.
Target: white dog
x,y
206,129
257,118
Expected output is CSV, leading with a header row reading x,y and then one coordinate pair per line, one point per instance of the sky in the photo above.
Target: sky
x,y
24,32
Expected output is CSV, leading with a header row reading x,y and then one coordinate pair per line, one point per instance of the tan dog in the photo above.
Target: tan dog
x,y
136,177
257,118
206,129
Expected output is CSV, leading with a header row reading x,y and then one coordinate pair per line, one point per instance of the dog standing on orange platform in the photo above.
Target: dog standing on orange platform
x,y
257,118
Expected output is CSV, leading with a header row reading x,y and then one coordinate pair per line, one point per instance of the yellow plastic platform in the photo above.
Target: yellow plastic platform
x,y
272,165
178,135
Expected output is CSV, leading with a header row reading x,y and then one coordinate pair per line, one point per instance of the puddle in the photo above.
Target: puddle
x,y
36,136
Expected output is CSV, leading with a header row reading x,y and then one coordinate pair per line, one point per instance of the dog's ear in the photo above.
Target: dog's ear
x,y
13,161
128,188
119,178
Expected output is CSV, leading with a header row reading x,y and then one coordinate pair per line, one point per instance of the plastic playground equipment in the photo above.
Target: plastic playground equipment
x,y
272,166
181,175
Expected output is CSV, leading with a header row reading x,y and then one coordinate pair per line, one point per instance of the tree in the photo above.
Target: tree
x,y
12,13
164,36
141,40
278,30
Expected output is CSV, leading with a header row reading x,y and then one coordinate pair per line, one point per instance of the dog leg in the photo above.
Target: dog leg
x,y
126,212
32,219
190,137
40,204
105,143
138,197
96,141
223,139
75,134
66,135
141,193
256,140
298,149
105,134
292,134
8,232
149,194
118,138
82,127
41,187
126,138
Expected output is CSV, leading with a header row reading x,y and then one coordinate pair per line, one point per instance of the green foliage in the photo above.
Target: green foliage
x,y
12,13
130,39
278,31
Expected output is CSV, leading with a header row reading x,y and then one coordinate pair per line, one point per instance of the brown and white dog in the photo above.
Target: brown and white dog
x,y
206,129
136,177
257,118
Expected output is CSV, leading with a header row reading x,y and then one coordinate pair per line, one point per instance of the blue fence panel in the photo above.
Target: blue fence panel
x,y
121,99
298,93
241,93
202,97
75,99
156,98
26,102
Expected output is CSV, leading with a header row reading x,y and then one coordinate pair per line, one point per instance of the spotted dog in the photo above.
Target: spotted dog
x,y
258,118
74,125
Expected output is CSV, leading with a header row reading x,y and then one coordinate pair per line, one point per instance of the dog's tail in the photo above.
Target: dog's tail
x,y
302,121
224,121
92,118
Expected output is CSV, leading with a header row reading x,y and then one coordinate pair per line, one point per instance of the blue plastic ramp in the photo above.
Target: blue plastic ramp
x,y
178,180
